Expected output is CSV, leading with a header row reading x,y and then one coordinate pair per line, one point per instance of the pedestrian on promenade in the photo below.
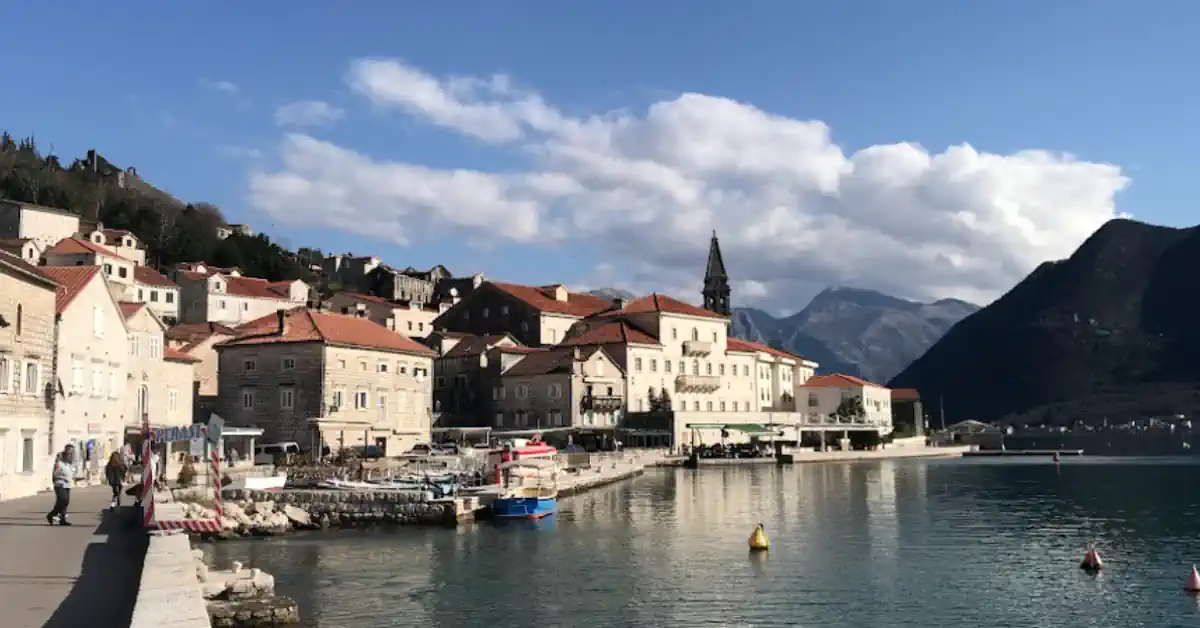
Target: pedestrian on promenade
x,y
64,478
114,473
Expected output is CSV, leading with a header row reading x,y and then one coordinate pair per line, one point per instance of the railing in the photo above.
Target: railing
x,y
696,347
697,383
602,403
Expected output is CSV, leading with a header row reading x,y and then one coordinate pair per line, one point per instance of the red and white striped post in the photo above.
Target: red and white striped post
x,y
147,474
215,471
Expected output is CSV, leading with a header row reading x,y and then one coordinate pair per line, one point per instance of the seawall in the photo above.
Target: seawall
x,y
169,595
326,507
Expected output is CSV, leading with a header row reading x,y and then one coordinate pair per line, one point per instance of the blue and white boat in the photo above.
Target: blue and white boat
x,y
529,489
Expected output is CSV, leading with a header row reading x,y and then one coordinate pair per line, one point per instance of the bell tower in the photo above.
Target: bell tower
x,y
716,281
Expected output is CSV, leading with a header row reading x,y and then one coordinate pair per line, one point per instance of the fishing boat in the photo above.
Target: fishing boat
x,y
529,489
258,483
440,489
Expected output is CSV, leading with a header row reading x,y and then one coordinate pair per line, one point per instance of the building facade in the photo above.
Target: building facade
x,y
120,241
208,294
27,329
198,341
534,315
568,387
411,319
326,380
44,225
160,380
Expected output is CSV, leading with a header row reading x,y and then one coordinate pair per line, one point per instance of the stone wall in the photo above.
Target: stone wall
x,y
332,508
169,595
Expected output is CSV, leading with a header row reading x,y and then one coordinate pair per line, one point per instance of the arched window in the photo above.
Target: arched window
x,y
695,334
695,367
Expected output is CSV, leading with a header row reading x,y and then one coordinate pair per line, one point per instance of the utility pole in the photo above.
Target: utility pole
x,y
942,411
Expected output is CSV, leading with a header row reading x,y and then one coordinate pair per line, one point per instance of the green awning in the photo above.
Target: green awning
x,y
748,428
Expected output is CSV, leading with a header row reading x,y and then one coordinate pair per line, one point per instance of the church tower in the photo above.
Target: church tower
x,y
716,281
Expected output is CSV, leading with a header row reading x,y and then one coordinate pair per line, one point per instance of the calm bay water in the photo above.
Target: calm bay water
x,y
963,543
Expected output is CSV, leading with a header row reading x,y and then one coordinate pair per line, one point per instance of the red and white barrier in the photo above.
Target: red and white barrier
x,y
215,458
149,519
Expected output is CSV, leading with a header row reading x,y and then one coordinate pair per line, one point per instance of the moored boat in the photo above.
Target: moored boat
x,y
529,489
257,483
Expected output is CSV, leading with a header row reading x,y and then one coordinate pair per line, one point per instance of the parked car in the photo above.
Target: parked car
x,y
275,453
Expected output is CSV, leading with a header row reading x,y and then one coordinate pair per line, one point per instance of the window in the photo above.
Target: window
x,y
341,364
287,398
97,382
695,334
402,368
76,377
154,296
722,406
637,365
362,366
708,368
135,344
499,419
485,312
666,366
504,310
600,368
555,391
409,325
721,370
97,322
5,377
170,296
108,269
382,367
33,378
26,452
287,364
674,334
714,336
123,272
245,306
113,388
141,295
339,399
682,367
156,347
522,391
708,406
439,382
221,304
653,365
695,406
361,400
172,399
745,372
695,367
248,399
20,318
249,365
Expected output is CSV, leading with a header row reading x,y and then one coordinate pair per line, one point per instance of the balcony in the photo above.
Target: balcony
x,y
696,347
697,383
601,403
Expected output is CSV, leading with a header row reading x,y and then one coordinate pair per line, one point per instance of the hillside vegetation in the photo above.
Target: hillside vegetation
x,y
172,231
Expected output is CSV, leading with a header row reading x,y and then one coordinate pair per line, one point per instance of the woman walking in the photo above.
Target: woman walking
x,y
114,473
64,478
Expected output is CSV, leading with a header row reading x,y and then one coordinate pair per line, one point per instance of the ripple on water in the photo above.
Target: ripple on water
x,y
906,544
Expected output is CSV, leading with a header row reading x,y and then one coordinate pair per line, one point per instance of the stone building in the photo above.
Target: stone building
x,y
127,278
323,379
533,315
209,294
27,311
198,340
463,380
44,225
411,319
558,388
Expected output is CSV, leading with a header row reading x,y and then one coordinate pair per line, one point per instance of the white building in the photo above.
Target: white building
x,y
824,395
76,251
222,295
120,241
29,251
44,225
160,382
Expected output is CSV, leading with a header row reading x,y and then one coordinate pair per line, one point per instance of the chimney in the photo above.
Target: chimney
x,y
282,315
576,354
560,293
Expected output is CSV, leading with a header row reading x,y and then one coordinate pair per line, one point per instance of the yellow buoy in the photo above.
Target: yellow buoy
x,y
758,539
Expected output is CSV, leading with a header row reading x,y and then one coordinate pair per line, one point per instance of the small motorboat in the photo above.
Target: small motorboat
x,y
529,489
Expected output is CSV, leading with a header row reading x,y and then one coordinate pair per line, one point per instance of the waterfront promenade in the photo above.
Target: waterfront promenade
x,y
64,577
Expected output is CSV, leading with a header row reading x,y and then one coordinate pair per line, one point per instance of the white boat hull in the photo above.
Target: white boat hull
x,y
269,483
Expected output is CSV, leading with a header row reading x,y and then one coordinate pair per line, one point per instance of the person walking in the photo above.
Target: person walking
x,y
114,473
63,478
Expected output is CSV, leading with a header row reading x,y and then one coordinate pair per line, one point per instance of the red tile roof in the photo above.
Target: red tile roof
x,y
838,380
745,346
541,298
72,246
71,281
129,309
151,277
305,325
475,345
662,303
116,234
196,332
546,361
905,394
16,263
615,332
175,355
244,286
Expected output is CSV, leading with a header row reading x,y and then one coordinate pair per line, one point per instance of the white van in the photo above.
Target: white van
x,y
270,453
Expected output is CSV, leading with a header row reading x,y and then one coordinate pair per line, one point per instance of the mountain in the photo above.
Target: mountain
x,y
1106,334
857,332
612,293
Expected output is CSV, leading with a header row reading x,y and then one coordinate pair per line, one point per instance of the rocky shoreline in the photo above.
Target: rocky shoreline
x,y
243,598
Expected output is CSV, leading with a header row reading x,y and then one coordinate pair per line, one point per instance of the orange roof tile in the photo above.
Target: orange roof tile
x,y
196,332
546,361
662,303
175,355
474,345
305,325
745,346
16,263
615,332
151,277
838,380
541,298
73,246
71,281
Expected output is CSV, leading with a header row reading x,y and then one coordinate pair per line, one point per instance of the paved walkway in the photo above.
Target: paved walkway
x,y
67,577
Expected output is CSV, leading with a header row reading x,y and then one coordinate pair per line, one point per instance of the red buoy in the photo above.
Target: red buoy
x,y
1092,562
1193,583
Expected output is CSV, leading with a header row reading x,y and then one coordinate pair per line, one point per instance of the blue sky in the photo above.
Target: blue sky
x,y
187,93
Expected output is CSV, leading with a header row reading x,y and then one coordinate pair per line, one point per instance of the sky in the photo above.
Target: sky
x,y
927,149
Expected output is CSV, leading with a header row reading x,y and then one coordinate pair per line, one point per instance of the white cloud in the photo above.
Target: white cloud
x,y
240,152
794,211
220,86
307,113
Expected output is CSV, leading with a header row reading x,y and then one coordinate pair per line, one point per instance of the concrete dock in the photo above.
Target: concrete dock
x,y
65,577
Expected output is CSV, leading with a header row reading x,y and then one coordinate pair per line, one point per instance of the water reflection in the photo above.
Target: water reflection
x,y
903,543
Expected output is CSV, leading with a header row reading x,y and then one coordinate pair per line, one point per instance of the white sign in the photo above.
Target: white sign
x,y
196,447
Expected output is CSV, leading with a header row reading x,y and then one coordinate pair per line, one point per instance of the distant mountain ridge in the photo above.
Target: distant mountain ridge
x,y
1104,335
849,330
